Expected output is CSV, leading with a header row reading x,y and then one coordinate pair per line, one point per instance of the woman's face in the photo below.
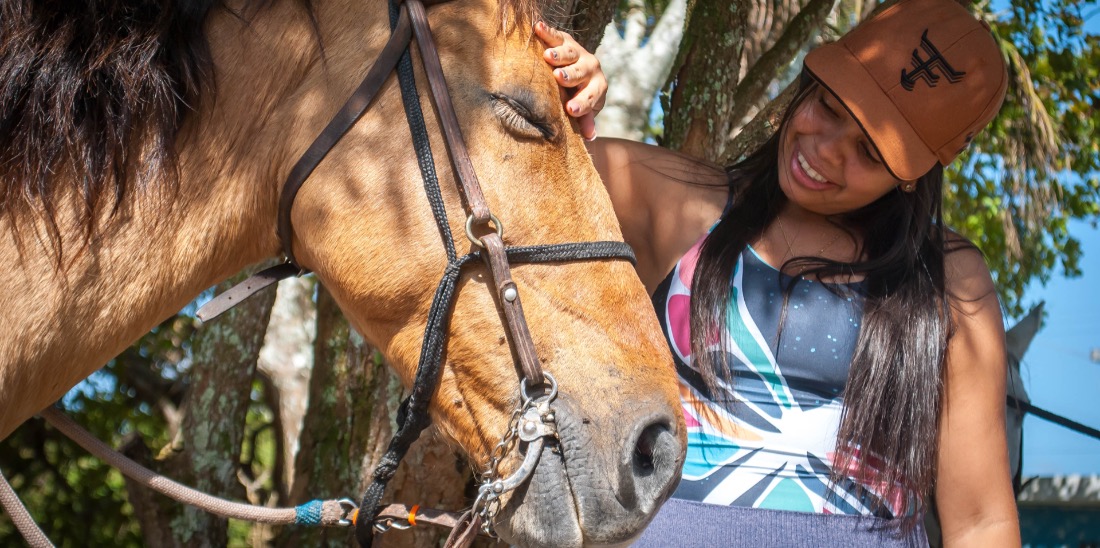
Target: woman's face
x,y
827,165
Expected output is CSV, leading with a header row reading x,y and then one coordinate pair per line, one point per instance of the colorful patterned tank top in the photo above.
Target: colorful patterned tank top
x,y
768,440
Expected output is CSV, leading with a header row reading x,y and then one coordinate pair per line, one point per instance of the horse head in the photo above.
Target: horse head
x,y
361,224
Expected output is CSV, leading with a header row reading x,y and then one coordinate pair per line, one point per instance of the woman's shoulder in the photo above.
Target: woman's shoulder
x,y
665,200
652,169
967,277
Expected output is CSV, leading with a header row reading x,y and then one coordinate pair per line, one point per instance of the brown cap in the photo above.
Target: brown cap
x,y
921,78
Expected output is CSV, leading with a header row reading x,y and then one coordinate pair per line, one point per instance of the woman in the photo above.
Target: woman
x,y
839,350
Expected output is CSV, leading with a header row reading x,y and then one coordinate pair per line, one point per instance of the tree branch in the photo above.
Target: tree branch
x,y
635,71
586,20
751,92
761,128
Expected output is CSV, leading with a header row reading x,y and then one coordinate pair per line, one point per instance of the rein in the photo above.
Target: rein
x,y
531,423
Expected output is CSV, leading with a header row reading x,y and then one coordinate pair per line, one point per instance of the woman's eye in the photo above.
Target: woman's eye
x,y
870,155
825,104
519,120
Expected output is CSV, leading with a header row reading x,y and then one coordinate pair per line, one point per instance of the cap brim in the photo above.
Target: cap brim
x,y
904,153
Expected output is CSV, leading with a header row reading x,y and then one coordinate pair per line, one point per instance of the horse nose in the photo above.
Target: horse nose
x,y
651,463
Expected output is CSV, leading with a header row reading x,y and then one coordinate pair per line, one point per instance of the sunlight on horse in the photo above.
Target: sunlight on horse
x,y
75,298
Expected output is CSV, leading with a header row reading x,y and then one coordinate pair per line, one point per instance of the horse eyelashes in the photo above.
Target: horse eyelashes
x,y
519,119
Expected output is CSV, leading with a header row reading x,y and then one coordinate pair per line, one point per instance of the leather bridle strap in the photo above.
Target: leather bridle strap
x,y
476,206
343,121
339,125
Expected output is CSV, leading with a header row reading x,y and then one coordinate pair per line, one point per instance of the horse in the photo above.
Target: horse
x,y
1017,341
144,149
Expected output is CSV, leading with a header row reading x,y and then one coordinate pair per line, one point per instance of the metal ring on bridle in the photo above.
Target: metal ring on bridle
x,y
470,229
553,388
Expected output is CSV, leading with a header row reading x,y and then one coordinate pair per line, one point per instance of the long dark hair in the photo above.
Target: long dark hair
x,y
100,87
894,392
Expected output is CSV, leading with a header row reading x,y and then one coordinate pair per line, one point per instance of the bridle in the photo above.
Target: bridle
x,y
533,420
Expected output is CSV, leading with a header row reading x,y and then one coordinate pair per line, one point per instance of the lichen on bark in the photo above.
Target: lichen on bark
x,y
698,96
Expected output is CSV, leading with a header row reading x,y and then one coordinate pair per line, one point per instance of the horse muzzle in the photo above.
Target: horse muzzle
x,y
599,483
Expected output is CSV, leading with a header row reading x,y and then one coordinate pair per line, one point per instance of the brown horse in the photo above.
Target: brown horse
x,y
128,187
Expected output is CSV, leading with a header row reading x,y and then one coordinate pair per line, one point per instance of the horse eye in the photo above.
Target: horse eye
x,y
518,119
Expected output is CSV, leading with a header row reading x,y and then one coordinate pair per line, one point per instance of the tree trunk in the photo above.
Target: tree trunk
x,y
636,65
345,390
225,352
353,400
698,113
287,359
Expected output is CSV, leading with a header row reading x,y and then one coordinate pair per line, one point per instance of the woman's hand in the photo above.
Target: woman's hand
x,y
578,70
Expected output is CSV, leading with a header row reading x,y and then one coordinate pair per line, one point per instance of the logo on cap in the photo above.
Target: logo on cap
x,y
925,69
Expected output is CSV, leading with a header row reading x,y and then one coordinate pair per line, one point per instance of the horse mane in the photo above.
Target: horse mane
x,y
103,86
98,85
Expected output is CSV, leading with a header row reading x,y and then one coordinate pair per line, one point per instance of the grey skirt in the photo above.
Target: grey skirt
x,y
690,524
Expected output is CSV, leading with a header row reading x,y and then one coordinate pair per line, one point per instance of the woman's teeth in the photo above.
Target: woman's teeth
x,y
809,170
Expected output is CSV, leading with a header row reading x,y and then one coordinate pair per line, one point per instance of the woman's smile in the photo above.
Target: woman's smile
x,y
805,174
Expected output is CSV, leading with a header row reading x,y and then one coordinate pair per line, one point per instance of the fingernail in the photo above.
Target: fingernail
x,y
574,109
593,138
564,75
554,54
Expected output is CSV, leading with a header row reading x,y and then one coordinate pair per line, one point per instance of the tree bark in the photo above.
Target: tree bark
x,y
353,400
699,108
224,361
636,65
345,389
287,359
585,19
751,91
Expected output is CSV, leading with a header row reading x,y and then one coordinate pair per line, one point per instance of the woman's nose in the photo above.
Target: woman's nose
x,y
831,148
839,143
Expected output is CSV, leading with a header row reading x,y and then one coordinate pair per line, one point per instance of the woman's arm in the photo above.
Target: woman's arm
x,y
974,489
665,201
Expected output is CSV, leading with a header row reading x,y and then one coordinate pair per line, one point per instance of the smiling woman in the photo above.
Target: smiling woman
x,y
839,349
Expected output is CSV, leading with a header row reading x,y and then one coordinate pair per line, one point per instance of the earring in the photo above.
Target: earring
x,y
909,187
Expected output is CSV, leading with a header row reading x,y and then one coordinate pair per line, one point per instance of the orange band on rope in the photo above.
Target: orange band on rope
x,y
355,517
412,514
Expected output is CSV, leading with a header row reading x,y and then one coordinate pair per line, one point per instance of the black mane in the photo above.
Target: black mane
x,y
101,85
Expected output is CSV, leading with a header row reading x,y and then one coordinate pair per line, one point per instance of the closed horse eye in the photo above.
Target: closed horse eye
x,y
519,119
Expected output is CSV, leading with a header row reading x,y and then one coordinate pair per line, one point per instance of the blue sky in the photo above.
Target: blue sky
x,y
1057,371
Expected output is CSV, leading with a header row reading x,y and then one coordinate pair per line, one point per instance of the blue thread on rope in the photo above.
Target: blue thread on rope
x,y
308,513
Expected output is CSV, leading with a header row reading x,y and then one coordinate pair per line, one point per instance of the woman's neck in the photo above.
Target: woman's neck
x,y
796,232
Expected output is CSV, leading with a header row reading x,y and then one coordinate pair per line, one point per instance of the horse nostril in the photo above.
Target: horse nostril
x,y
645,460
